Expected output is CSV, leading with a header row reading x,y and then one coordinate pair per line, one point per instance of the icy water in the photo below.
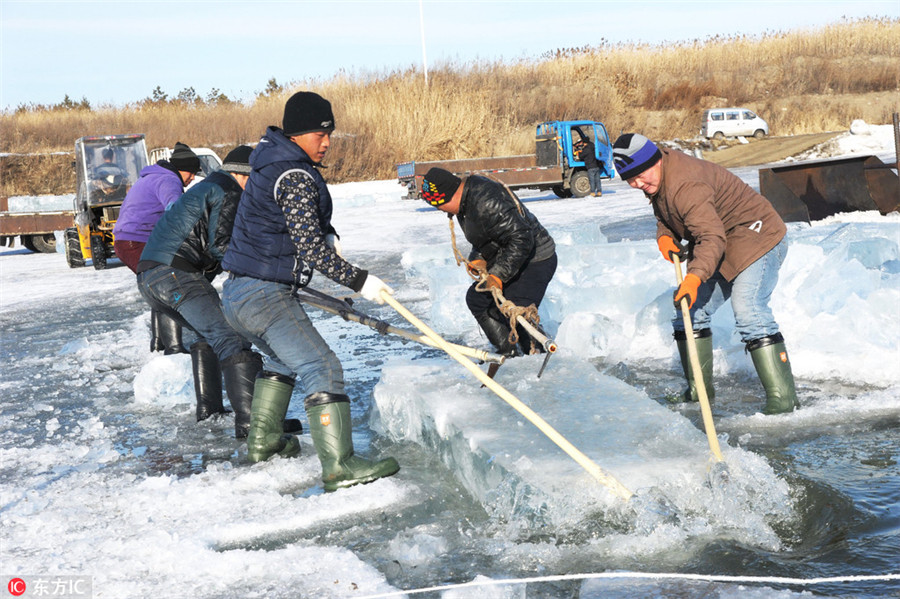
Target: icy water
x,y
104,473
68,366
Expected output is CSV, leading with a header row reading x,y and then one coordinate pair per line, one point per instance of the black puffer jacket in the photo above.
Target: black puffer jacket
x,y
194,232
501,230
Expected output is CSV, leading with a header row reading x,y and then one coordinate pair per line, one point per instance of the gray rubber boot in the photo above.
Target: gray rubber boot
x,y
330,428
240,371
271,397
207,381
771,361
703,340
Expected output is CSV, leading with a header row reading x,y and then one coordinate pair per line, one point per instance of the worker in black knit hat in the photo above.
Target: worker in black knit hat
x,y
509,245
282,233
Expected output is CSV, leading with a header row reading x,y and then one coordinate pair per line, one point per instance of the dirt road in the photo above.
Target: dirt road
x,y
765,151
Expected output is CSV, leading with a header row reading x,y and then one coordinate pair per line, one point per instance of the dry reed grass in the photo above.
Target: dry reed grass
x,y
800,81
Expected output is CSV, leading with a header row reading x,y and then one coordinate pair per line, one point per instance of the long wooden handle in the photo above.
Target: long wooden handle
x,y
376,324
694,359
585,462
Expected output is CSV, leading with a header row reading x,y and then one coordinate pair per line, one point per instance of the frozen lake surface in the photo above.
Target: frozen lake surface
x,y
105,474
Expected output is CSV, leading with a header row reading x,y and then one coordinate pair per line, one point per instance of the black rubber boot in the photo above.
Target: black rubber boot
x,y
331,431
525,341
703,340
271,397
207,381
165,334
771,361
240,372
155,342
498,334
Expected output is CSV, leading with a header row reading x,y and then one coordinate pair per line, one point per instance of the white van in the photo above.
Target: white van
x,y
209,161
731,122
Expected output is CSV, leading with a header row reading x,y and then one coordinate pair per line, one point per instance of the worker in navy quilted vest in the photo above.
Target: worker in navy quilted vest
x,y
282,234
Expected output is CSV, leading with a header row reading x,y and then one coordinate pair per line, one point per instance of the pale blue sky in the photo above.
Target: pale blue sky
x,y
116,52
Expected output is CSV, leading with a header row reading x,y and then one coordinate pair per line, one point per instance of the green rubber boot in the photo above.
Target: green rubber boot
x,y
771,361
330,428
703,340
271,396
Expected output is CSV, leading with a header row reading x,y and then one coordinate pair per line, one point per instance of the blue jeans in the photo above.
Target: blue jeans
x,y
192,301
594,179
265,313
750,293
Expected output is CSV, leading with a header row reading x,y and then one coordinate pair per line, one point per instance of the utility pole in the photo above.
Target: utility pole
x,y
422,29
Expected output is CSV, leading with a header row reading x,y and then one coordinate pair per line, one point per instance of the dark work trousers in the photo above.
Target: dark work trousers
x,y
526,288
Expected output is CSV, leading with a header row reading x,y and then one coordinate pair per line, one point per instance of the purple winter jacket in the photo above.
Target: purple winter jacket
x,y
147,199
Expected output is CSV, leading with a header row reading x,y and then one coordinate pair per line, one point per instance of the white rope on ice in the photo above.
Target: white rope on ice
x,y
642,575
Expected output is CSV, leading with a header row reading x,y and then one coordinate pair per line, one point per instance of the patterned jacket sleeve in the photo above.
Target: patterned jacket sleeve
x,y
298,196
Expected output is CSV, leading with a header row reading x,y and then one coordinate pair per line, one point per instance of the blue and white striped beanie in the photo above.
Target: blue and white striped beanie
x,y
633,154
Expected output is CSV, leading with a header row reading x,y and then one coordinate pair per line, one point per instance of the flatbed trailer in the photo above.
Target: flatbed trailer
x,y
34,229
556,164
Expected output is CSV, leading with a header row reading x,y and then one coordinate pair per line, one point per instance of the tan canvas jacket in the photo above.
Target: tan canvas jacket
x,y
730,225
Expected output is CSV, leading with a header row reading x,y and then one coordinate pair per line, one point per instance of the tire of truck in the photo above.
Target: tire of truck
x,y
561,192
580,185
27,243
98,252
46,243
74,257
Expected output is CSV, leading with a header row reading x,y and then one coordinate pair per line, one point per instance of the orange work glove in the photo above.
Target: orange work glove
x,y
476,267
687,290
494,282
668,248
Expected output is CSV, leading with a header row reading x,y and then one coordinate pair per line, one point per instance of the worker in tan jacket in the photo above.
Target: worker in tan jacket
x,y
736,245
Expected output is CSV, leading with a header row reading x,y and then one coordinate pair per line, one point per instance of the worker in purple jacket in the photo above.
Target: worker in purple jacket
x,y
159,185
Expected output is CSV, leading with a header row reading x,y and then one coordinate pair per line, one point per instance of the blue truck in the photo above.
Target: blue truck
x,y
554,166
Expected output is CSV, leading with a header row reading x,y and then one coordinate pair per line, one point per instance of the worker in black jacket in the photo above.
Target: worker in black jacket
x,y
178,263
508,243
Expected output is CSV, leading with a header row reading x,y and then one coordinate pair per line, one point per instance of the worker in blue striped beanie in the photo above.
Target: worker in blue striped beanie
x,y
633,154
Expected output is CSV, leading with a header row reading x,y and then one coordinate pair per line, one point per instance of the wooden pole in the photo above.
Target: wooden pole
x,y
585,462
694,359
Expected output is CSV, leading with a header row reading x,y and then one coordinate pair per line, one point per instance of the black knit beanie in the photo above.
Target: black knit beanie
x,y
238,160
438,186
184,159
307,112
